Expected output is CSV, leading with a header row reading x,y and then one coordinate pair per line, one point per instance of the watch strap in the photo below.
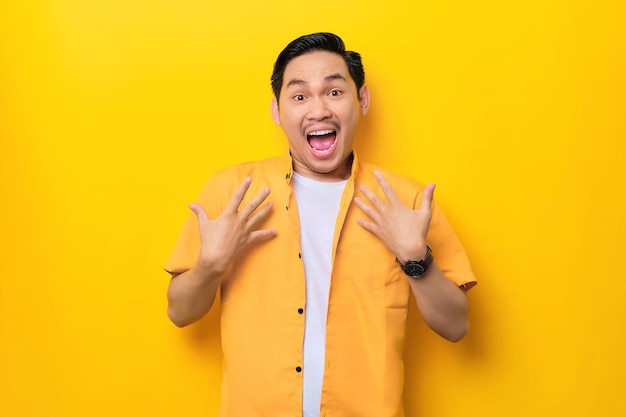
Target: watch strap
x,y
415,269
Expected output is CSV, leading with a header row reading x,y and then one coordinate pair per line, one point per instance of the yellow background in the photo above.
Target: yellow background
x,y
113,113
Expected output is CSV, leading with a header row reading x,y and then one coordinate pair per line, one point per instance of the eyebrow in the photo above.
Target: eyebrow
x,y
327,80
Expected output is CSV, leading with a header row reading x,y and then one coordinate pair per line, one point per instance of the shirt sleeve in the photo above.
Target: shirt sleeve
x,y
187,247
448,251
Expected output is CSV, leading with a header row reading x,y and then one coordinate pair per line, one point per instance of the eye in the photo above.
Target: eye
x,y
298,97
335,93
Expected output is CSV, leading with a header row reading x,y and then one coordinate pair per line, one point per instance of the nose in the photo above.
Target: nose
x,y
318,109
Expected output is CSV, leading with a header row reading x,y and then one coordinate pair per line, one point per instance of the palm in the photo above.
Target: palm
x,y
225,236
402,229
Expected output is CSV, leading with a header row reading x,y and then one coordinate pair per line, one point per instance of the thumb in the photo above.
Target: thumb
x,y
203,218
427,196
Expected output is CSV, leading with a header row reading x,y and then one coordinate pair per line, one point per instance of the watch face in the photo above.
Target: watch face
x,y
414,269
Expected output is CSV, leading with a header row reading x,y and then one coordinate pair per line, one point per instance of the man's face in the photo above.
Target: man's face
x,y
319,112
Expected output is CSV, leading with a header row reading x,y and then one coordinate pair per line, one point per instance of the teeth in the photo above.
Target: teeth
x,y
321,133
323,151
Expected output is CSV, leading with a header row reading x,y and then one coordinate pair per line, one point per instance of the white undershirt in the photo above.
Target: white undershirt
x,y
318,206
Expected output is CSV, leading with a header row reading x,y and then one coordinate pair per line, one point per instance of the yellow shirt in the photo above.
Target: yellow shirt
x,y
263,300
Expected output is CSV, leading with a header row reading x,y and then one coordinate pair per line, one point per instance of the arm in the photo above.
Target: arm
x,y
441,303
403,230
191,294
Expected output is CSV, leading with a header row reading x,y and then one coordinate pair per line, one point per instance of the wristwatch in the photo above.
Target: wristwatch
x,y
415,269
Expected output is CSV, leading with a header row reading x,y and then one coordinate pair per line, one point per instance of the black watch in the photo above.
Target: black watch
x,y
415,269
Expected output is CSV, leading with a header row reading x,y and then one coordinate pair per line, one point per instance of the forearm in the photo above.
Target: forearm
x,y
190,295
442,304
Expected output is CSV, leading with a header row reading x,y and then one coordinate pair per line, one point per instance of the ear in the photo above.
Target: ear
x,y
364,100
275,112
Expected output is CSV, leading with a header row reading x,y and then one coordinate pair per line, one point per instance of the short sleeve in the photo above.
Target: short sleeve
x,y
448,252
187,247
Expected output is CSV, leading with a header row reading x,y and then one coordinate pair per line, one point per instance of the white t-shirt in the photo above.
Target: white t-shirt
x,y
318,207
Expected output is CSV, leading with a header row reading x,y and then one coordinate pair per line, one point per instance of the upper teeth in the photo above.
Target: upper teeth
x,y
321,133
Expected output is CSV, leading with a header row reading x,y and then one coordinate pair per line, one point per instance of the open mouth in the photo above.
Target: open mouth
x,y
322,142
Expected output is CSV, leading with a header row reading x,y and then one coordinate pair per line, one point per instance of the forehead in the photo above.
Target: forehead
x,y
314,67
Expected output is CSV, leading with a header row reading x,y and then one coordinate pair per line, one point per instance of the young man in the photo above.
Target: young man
x,y
316,254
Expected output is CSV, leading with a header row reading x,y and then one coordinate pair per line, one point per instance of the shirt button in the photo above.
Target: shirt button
x,y
287,208
299,255
298,369
300,311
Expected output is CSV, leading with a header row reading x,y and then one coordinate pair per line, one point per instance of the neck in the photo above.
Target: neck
x,y
341,173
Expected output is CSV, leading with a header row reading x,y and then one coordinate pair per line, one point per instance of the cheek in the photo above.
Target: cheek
x,y
290,119
350,118
292,128
350,110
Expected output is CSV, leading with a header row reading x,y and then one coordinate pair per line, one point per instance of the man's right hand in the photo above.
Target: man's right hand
x,y
191,293
237,227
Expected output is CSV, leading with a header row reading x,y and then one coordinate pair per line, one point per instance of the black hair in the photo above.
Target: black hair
x,y
321,41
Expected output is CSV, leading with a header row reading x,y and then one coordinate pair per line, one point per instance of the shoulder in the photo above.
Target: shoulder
x,y
240,171
264,172
401,183
222,184
269,172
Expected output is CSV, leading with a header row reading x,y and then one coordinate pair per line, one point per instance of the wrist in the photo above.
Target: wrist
x,y
417,268
414,254
206,266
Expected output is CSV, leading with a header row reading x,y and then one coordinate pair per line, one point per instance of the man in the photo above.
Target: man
x,y
315,255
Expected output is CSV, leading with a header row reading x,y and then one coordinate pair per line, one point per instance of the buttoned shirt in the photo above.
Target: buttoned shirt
x,y
263,299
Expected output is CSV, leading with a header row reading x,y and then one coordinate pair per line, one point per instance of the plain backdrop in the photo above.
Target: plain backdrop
x,y
113,113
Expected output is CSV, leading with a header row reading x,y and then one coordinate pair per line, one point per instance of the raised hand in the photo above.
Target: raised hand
x,y
225,236
402,229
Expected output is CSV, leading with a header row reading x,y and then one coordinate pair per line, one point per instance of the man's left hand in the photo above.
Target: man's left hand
x,y
402,229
